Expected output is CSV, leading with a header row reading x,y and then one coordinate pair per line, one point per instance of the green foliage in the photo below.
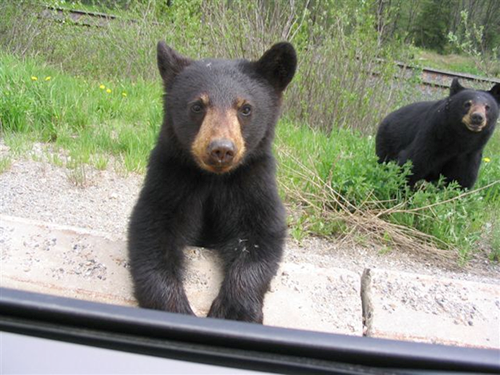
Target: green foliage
x,y
469,38
495,240
5,163
433,24
469,41
84,116
338,51
340,172
429,24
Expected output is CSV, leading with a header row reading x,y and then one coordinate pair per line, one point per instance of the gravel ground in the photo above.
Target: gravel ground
x,y
102,201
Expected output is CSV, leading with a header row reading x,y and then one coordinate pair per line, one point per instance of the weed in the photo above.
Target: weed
x,y
100,161
19,143
77,173
495,240
5,163
54,159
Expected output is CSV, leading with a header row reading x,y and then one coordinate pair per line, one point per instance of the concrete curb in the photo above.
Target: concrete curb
x,y
74,262
405,306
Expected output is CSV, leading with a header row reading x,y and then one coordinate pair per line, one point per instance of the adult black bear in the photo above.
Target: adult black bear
x,y
211,182
444,137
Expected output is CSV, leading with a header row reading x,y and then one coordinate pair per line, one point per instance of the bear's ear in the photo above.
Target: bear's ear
x,y
455,87
495,92
170,63
278,65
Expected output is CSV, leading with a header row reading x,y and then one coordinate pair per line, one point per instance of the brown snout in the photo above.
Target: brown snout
x,y
219,145
475,119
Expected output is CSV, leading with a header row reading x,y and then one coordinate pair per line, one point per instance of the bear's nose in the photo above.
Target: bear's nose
x,y
221,151
477,118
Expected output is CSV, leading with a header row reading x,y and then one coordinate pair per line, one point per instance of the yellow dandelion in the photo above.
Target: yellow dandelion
x,y
124,94
34,78
48,78
487,160
102,87
108,91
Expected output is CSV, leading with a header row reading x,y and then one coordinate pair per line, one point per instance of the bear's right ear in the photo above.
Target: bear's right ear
x,y
495,92
455,87
170,63
278,65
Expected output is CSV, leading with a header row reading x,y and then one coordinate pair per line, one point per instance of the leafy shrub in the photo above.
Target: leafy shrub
x,y
340,77
339,173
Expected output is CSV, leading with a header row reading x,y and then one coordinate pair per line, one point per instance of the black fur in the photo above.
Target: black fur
x,y
434,137
238,213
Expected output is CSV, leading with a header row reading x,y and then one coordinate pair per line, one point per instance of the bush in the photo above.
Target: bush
x,y
340,77
336,184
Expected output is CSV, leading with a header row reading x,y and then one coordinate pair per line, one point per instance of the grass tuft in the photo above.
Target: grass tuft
x,y
5,163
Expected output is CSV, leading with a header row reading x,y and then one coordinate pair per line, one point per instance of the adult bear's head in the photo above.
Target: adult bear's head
x,y
223,112
477,110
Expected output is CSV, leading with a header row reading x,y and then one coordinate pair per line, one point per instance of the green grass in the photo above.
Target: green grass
x,y
5,163
324,175
336,58
495,239
88,118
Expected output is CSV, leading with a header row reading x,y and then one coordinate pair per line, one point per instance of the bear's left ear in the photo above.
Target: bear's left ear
x,y
278,65
170,62
455,87
495,92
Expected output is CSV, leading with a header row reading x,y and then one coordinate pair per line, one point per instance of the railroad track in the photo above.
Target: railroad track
x,y
435,80
78,17
432,80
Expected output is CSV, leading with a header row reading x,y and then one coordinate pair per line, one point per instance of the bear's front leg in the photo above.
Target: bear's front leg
x,y
247,277
156,262
464,169
424,162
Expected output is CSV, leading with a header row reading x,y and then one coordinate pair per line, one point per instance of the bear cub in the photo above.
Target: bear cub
x,y
444,137
211,182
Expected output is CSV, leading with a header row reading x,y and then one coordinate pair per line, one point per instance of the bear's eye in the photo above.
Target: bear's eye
x,y
246,110
196,108
468,104
487,107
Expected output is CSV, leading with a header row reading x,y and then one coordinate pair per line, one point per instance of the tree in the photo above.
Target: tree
x,y
432,24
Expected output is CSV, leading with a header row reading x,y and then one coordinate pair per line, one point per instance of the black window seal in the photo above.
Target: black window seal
x,y
228,343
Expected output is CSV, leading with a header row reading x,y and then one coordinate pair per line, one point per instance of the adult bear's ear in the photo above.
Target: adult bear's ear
x,y
455,87
495,92
170,63
278,65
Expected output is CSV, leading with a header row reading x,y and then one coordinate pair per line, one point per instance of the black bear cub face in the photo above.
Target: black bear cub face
x,y
220,115
211,182
445,137
476,110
